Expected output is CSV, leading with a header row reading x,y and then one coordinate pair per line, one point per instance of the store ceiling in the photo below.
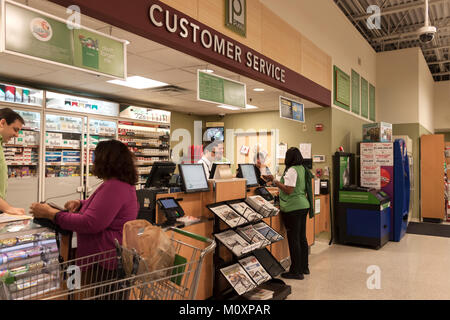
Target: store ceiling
x,y
400,19
144,58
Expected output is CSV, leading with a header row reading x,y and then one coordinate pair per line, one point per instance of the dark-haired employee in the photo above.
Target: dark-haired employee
x,y
10,125
294,207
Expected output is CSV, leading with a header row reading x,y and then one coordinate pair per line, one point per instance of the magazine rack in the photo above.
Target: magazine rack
x,y
231,221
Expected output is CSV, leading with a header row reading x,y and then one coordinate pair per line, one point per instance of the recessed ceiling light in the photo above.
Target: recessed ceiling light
x,y
138,82
229,107
249,106
258,89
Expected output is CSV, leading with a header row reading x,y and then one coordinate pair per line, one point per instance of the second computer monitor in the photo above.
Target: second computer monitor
x,y
217,168
248,172
194,177
160,174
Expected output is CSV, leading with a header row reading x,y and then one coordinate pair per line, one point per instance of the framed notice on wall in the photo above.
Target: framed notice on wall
x,y
364,98
291,110
372,110
356,92
341,95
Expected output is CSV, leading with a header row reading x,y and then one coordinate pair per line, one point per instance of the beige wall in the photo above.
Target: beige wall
x,y
268,34
325,24
442,105
398,84
426,94
290,132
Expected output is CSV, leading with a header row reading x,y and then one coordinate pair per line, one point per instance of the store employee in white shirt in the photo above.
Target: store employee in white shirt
x,y
207,158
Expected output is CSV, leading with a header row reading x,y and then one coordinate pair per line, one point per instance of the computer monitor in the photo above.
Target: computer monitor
x,y
194,177
215,170
247,171
160,174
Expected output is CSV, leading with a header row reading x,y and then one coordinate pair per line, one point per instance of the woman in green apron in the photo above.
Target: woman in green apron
x,y
294,207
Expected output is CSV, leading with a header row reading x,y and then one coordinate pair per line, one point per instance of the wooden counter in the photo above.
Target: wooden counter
x,y
194,204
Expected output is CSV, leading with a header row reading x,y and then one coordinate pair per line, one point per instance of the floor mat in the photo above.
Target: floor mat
x,y
429,229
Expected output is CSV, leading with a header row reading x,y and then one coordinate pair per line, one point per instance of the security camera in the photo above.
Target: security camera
x,y
426,34
221,115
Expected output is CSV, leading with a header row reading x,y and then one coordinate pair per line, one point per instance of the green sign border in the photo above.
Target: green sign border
x,y
223,81
356,92
364,98
336,70
372,110
232,27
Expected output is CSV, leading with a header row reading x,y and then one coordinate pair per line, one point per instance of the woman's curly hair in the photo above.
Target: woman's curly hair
x,y
113,159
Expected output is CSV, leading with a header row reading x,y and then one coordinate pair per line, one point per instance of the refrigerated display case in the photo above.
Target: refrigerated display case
x,y
63,169
52,159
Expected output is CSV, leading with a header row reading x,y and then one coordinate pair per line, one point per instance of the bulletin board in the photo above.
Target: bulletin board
x,y
249,141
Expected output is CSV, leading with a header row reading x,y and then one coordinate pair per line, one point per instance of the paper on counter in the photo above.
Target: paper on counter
x,y
4,218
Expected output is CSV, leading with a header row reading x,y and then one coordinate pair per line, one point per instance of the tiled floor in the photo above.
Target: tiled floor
x,y
417,267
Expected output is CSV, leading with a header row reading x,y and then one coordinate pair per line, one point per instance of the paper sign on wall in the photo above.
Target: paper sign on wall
x,y
305,149
317,206
281,150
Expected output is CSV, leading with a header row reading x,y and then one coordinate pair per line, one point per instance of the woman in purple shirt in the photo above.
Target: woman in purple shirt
x,y
99,220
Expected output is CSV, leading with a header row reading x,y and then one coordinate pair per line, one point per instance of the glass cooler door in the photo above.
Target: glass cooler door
x,y
63,148
22,159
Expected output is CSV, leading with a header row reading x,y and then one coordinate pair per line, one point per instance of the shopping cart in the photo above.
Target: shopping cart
x,y
118,274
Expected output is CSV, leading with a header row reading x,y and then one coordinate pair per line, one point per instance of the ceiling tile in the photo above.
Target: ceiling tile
x,y
137,65
174,76
172,57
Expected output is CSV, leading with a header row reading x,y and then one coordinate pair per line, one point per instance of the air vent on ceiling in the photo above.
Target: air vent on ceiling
x,y
170,90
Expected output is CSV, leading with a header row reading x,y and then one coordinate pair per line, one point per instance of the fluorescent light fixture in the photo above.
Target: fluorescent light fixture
x,y
258,89
208,70
249,106
138,82
229,107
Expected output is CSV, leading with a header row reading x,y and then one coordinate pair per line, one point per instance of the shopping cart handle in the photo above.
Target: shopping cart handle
x,y
191,235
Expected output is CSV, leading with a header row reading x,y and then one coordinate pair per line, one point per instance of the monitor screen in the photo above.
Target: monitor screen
x,y
194,177
248,172
160,174
169,203
214,134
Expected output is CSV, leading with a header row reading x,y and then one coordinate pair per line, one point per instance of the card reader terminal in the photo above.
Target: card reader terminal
x,y
172,210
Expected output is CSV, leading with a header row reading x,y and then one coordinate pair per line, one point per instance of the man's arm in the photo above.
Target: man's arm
x,y
6,208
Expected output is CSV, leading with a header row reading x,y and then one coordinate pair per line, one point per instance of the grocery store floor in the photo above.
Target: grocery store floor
x,y
417,267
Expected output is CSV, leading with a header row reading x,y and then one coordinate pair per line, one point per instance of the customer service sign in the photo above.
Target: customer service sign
x,y
34,34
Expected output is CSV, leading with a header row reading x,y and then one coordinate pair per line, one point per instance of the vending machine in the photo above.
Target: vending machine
x,y
385,166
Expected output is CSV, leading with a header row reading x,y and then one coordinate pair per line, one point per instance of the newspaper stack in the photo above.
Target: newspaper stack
x,y
268,232
252,236
259,294
246,211
255,269
264,207
238,278
234,242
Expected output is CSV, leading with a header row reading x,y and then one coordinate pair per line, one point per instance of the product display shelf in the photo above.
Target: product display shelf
x,y
148,141
221,288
